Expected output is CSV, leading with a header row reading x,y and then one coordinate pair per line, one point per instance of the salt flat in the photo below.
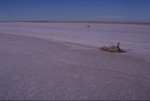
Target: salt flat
x,y
61,61
132,37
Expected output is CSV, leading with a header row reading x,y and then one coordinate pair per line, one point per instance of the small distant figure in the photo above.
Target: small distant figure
x,y
88,26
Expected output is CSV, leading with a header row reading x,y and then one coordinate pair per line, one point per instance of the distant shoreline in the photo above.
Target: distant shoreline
x,y
98,22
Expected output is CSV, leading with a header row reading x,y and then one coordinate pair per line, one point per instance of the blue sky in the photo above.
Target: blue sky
x,y
76,10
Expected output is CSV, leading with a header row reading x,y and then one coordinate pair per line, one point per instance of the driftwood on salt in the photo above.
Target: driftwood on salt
x,y
112,48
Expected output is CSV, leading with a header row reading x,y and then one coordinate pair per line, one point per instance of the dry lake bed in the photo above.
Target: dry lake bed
x,y
61,61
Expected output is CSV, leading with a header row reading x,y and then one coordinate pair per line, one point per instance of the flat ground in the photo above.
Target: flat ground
x,y
39,69
32,68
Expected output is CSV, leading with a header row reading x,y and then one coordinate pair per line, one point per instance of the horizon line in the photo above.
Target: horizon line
x,y
107,22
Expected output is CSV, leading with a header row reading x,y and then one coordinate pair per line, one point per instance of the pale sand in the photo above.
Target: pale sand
x,y
39,68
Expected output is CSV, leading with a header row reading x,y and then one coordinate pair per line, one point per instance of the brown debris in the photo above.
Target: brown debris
x,y
112,48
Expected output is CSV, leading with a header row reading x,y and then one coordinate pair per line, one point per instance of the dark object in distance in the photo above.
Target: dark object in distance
x,y
88,26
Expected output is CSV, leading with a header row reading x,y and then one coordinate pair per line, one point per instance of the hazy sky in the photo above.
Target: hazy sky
x,y
76,10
